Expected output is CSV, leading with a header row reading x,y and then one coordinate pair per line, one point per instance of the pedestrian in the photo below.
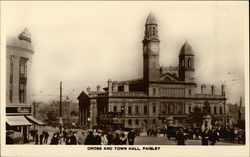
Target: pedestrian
x,y
9,137
110,138
25,139
60,129
81,139
204,137
64,134
131,137
32,133
180,138
123,139
36,136
104,139
41,138
90,139
46,136
116,139
98,139
213,136
72,138
55,139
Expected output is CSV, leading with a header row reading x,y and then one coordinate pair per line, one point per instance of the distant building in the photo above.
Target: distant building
x,y
162,94
235,113
19,52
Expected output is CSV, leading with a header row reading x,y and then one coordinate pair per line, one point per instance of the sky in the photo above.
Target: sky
x,y
83,44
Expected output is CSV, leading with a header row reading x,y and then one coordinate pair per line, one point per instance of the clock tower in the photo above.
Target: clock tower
x,y
151,65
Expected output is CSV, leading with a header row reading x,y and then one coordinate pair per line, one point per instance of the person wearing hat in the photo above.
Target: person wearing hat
x,y
9,139
72,138
180,138
131,137
90,139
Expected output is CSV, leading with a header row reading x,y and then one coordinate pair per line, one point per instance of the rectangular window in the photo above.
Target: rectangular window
x,y
154,109
221,112
136,122
23,67
11,68
145,121
129,110
189,109
130,122
189,92
154,91
215,112
145,110
22,92
115,108
136,109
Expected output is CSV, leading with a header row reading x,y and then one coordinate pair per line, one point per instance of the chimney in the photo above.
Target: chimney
x,y
88,89
126,87
98,88
222,89
203,89
212,89
115,86
109,85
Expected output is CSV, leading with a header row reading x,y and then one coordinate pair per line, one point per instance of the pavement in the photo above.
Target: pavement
x,y
144,140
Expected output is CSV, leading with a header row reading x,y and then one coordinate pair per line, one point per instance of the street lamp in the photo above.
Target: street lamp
x,y
67,103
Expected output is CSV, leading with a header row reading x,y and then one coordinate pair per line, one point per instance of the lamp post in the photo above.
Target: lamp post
x,y
67,103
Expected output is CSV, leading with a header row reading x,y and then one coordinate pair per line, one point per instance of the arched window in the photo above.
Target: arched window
x,y
183,63
189,62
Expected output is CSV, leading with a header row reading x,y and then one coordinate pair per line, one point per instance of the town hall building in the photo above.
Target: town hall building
x,y
162,94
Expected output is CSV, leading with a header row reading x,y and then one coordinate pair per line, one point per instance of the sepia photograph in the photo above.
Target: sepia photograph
x,y
137,76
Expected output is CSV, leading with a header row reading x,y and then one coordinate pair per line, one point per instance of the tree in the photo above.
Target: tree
x,y
51,117
196,117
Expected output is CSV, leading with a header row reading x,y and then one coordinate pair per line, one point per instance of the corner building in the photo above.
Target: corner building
x,y
163,93
19,52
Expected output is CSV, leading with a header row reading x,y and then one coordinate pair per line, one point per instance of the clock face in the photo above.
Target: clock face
x,y
154,48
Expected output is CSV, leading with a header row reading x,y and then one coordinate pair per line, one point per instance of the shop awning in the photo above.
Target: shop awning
x,y
17,121
34,120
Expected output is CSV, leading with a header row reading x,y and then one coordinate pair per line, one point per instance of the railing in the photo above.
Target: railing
x,y
209,96
133,94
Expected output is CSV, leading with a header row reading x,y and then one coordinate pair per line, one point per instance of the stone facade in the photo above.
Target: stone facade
x,y
19,52
163,93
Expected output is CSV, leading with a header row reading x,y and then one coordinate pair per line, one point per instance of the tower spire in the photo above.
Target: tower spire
x,y
151,28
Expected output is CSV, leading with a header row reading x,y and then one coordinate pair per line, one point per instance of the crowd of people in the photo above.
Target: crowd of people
x,y
119,137
40,137
110,138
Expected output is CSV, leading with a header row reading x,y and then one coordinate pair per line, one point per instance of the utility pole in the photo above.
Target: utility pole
x,y
60,105
34,109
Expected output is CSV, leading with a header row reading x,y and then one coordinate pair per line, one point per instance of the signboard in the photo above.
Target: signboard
x,y
18,109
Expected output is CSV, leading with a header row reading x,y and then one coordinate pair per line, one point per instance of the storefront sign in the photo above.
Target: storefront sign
x,y
18,110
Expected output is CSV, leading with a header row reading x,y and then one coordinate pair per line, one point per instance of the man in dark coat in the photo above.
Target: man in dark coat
x,y
131,137
180,138
36,136
55,139
90,139
46,136
9,139
204,137
213,136
110,138
98,139
41,138
117,139
72,139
